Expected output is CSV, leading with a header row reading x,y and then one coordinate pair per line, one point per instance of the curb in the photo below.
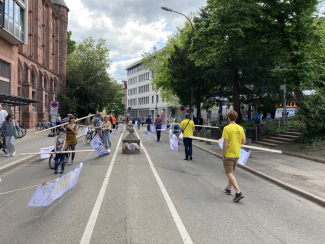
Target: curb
x,y
21,161
305,157
316,199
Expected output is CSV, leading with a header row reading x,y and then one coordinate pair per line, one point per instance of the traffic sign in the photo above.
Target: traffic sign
x,y
182,108
54,108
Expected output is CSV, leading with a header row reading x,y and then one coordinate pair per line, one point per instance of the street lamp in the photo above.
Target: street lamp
x,y
170,10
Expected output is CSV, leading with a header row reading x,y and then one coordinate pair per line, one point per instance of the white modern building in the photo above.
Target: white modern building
x,y
142,99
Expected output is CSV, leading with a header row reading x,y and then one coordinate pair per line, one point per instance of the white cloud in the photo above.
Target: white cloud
x,y
131,27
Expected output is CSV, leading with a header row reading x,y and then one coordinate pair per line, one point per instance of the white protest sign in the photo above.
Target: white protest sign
x,y
243,156
98,146
181,135
46,149
47,193
174,143
164,127
148,134
152,128
86,131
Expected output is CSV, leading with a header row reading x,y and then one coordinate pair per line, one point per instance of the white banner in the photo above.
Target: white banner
x,y
148,135
86,130
98,146
46,149
174,142
47,193
164,127
152,128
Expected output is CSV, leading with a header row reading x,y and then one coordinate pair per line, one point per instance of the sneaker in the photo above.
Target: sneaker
x,y
55,172
191,158
61,172
7,155
71,162
227,191
186,159
238,197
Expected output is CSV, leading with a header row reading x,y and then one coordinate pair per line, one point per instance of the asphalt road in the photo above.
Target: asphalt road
x,y
154,198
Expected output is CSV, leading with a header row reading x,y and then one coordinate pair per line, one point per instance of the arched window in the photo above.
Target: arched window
x,y
33,79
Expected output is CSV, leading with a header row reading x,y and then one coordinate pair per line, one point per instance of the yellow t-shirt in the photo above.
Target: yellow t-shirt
x,y
189,128
235,134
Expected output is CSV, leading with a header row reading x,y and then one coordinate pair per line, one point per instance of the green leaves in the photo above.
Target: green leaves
x,y
89,85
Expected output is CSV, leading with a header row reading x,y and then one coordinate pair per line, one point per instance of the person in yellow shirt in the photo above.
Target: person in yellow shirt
x,y
233,136
187,127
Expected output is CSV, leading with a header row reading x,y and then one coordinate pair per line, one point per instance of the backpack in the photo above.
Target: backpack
x,y
257,117
158,123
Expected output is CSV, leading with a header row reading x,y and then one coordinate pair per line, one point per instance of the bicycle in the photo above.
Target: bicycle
x,y
52,158
23,130
3,142
39,126
92,132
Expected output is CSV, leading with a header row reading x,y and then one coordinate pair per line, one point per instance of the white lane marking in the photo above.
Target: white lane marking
x,y
94,214
178,221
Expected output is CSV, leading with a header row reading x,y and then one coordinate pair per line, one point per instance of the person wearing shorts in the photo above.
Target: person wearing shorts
x,y
233,135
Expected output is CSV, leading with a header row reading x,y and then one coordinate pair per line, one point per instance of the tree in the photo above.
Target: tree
x,y
228,36
116,105
88,82
71,43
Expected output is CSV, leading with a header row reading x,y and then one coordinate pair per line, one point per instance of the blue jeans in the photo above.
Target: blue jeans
x,y
10,144
188,147
57,157
116,126
158,134
138,125
107,138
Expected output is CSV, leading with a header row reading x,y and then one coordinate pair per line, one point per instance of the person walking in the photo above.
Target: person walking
x,y
148,122
107,126
9,128
138,122
158,122
113,122
71,139
187,127
59,145
233,135
3,115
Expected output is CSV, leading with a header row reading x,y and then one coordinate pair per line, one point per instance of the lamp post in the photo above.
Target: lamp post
x,y
170,10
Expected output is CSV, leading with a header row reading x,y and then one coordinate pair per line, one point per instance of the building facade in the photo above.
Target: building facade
x,y
142,98
125,97
33,54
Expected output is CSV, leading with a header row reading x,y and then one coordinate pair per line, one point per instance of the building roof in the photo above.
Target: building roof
x,y
60,2
16,101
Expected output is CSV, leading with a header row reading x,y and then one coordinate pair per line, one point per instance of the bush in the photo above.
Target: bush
x,y
312,116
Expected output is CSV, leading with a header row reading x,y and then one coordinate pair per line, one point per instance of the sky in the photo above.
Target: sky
x,y
131,27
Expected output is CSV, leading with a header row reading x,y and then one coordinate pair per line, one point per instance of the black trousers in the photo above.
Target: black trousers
x,y
188,147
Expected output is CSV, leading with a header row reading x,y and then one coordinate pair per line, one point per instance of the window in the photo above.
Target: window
x,y
14,16
33,80
152,99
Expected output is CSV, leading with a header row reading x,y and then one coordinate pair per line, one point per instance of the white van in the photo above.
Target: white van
x,y
292,112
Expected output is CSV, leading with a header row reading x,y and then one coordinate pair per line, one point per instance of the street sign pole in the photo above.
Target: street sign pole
x,y
283,87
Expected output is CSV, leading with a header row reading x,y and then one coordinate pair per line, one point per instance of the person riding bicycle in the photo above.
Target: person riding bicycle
x,y
97,121
71,139
59,145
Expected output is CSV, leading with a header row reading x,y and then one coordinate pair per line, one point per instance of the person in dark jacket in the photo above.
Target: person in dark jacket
x,y
148,122
7,128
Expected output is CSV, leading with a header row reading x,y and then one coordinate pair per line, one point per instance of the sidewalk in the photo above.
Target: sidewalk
x,y
29,144
301,176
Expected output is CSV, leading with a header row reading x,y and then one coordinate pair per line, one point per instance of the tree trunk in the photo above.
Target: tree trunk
x,y
198,112
235,93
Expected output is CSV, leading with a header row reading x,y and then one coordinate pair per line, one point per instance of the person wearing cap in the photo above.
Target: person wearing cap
x,y
59,145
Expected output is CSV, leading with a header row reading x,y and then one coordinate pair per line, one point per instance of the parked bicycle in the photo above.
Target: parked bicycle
x,y
91,134
2,142
23,130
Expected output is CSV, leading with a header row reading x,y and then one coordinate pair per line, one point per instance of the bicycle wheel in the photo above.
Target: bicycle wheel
x,y
23,131
52,161
3,144
41,126
88,138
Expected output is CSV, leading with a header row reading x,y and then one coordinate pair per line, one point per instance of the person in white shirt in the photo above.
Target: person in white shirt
x,y
3,115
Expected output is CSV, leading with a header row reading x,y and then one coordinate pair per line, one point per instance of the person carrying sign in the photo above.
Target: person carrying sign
x,y
187,127
233,136
158,123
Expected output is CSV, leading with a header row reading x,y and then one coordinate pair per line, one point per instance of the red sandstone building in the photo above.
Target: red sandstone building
x,y
33,55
